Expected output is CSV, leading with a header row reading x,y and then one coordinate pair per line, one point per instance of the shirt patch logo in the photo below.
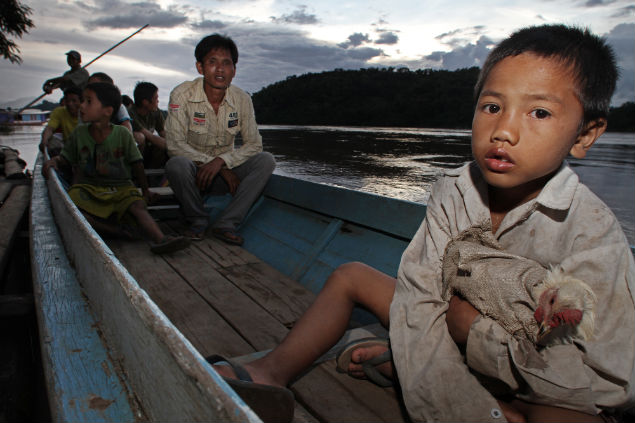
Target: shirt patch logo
x,y
198,120
199,115
174,107
232,123
233,115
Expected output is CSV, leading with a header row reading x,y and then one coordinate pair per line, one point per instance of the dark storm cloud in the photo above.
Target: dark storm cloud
x,y
624,11
621,39
354,40
209,25
461,36
593,3
299,16
387,37
117,14
464,56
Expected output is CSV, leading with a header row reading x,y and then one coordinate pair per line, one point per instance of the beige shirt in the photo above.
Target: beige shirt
x,y
567,225
195,131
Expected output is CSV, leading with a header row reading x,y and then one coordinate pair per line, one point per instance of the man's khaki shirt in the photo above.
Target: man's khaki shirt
x,y
566,225
195,131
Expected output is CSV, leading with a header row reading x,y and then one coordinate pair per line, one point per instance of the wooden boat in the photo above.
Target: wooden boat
x,y
125,343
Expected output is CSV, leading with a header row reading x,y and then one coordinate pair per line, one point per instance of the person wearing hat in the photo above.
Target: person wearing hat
x,y
76,76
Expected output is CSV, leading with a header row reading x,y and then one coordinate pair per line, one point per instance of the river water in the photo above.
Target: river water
x,y
404,162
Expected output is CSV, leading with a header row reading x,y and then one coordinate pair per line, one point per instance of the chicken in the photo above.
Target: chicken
x,y
565,309
546,307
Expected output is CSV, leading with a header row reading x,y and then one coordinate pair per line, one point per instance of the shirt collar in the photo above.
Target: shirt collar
x,y
557,194
200,96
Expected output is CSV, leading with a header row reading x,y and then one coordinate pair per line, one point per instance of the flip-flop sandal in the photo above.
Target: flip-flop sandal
x,y
169,244
195,233
271,403
369,367
229,236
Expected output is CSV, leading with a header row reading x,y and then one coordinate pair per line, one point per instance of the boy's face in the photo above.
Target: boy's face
x,y
153,103
217,69
91,109
72,102
527,120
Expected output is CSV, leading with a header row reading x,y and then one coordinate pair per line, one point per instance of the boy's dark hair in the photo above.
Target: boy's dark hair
x,y
591,59
144,91
73,90
103,77
107,94
215,41
126,100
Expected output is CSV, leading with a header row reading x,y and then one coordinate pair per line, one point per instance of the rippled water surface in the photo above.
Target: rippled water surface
x,y
404,162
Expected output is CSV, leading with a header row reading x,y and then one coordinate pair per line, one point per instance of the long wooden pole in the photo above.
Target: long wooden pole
x,y
92,61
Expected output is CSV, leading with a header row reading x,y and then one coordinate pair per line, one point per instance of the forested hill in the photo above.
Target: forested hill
x,y
371,97
385,97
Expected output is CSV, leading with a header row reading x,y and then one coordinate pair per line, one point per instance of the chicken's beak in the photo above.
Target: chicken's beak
x,y
543,330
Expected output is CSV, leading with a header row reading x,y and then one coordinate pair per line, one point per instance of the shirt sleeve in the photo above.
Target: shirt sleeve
x,y
584,375
436,382
122,114
55,120
176,127
252,141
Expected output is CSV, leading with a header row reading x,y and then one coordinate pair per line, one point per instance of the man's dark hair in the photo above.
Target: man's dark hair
x,y
215,41
591,59
73,90
107,94
126,100
103,77
144,91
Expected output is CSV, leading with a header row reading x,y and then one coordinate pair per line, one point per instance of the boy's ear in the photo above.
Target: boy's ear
x,y
587,137
199,67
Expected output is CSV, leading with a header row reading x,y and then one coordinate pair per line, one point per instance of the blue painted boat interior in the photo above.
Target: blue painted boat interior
x,y
306,230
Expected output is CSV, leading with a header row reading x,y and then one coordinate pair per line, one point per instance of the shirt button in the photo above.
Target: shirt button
x,y
496,413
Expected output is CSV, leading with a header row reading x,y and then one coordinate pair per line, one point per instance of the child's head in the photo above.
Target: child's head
x,y
146,94
590,59
542,94
213,42
100,77
101,100
72,99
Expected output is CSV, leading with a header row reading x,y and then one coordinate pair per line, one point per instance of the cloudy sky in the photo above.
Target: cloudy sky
x,y
279,38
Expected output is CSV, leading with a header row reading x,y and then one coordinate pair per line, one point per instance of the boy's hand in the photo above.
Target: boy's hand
x,y
46,168
459,318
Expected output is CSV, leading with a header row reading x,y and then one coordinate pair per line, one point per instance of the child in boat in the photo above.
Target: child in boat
x,y
542,94
121,116
103,157
64,119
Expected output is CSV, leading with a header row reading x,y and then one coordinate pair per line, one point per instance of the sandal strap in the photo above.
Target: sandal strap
x,y
370,369
240,371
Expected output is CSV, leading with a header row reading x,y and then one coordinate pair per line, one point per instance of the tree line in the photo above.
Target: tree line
x,y
424,98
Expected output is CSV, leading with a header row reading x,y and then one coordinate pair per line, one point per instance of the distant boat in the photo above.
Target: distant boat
x,y
25,117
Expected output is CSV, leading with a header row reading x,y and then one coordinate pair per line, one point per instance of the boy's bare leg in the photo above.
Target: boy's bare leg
x,y
324,323
147,223
102,226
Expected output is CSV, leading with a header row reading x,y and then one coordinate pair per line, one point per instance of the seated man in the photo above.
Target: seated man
x,y
64,119
77,76
204,117
148,125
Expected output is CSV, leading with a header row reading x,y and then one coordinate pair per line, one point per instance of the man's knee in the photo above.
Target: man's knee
x,y
265,162
178,166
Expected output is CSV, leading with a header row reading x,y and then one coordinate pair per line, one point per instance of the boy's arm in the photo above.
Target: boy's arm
x,y
46,136
436,383
585,375
53,163
138,172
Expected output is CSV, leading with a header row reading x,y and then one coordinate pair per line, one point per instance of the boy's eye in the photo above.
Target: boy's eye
x,y
491,108
540,114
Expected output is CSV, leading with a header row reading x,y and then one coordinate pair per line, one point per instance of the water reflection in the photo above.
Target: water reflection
x,y
404,162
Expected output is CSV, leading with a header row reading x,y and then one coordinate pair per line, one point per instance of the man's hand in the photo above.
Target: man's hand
x,y
207,172
459,318
232,180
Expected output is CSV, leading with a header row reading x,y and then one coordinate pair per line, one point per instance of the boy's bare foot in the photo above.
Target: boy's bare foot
x,y
363,354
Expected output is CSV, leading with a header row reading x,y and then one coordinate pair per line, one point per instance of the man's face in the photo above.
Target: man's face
x,y
72,61
526,121
217,69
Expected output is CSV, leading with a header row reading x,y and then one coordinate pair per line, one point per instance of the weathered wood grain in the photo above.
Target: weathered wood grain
x,y
11,213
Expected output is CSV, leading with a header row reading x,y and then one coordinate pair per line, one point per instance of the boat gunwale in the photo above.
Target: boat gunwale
x,y
208,396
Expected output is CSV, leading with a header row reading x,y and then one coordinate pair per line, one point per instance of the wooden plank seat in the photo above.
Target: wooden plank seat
x,y
228,302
